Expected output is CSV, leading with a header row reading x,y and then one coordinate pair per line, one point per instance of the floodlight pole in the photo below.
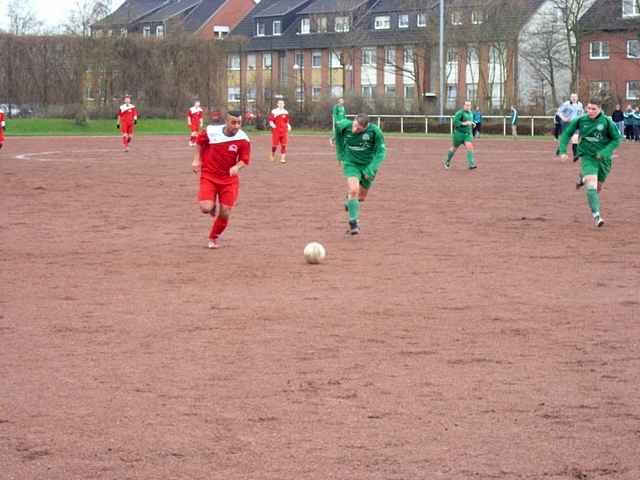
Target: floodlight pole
x,y
441,53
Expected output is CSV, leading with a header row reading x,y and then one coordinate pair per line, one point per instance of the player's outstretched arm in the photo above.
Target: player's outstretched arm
x,y
339,133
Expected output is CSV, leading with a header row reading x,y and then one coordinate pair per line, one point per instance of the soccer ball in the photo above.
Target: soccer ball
x,y
314,252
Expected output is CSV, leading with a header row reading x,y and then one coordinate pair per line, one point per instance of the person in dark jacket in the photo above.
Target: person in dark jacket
x,y
628,123
618,118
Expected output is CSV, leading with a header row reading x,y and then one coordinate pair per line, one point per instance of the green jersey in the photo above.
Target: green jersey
x,y
339,113
462,116
365,149
598,137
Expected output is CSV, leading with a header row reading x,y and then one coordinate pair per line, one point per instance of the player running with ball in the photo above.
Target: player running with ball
x,y
462,135
223,151
361,149
127,118
599,137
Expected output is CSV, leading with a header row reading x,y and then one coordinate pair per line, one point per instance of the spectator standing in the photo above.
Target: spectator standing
x,y
514,122
477,120
618,118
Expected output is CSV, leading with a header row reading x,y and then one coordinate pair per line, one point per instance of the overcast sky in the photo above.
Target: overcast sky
x,y
52,12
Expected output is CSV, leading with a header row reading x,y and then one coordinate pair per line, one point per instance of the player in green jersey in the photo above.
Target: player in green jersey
x,y
599,137
360,148
338,113
462,135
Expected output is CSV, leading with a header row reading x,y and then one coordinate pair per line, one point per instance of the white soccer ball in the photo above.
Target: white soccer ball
x,y
314,252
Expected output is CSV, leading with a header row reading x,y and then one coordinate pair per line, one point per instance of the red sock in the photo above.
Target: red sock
x,y
218,227
124,140
273,149
128,140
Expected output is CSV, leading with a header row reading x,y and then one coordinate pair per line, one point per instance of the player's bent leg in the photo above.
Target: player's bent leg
x,y
593,198
362,194
207,206
470,160
283,153
219,226
353,204
450,154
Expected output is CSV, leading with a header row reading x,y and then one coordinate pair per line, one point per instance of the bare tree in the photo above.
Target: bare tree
x,y
83,14
22,18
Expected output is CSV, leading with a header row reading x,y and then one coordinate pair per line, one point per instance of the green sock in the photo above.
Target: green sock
x,y
470,160
594,200
353,205
450,155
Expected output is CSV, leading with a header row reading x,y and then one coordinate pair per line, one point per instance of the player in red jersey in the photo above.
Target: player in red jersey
x,y
195,122
280,128
223,150
127,118
3,125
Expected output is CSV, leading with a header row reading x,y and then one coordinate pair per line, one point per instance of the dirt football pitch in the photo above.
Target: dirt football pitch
x,y
480,327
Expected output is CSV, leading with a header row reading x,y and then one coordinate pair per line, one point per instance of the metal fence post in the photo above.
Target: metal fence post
x,y
533,127
378,122
504,126
426,125
451,125
401,124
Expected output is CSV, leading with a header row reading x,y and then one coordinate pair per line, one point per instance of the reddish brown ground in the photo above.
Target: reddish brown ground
x,y
480,327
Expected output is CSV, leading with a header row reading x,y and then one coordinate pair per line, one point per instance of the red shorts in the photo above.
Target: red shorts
x,y
279,139
227,193
194,128
126,128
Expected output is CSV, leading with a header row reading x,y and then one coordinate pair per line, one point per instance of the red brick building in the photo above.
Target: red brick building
x,y
610,52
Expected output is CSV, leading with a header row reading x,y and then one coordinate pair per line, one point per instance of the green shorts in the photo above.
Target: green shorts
x,y
461,138
353,170
593,166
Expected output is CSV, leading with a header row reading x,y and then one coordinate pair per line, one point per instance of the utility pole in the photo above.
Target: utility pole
x,y
441,52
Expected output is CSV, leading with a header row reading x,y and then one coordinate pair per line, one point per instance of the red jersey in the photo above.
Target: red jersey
x,y
194,118
219,153
279,120
127,114
2,124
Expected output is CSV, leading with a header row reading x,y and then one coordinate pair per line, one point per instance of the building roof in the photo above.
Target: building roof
x,y
281,8
131,11
170,10
201,14
245,27
606,15
332,6
403,5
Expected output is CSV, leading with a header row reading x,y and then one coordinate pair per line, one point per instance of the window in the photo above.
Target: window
x,y
630,8
251,61
368,56
316,59
266,61
220,31
390,90
321,24
382,23
305,25
452,95
316,92
337,91
452,55
599,50
251,94
109,33
599,88
367,91
233,62
342,24
408,55
299,60
277,27
299,94
335,59
633,48
233,94
123,32
409,91
456,17
260,29
472,92
146,31
422,20
160,31
477,17
633,90
403,21
389,55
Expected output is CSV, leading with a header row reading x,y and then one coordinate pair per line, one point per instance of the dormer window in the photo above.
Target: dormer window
x,y
403,21
160,31
422,20
277,27
260,29
477,17
630,8
456,17
146,31
321,24
342,24
382,23
305,25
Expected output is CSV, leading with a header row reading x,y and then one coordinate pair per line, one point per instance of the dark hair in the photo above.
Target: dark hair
x,y
362,119
595,101
234,113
